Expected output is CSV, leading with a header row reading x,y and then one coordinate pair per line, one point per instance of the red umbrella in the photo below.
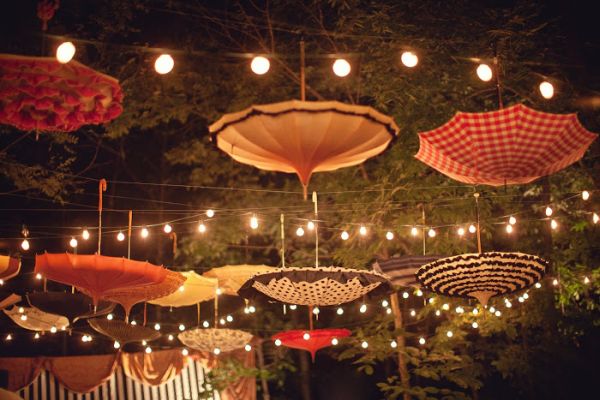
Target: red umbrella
x,y
514,145
96,274
312,340
39,93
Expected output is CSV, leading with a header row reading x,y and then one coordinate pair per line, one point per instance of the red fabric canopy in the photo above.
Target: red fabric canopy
x,y
96,274
9,267
515,145
316,340
39,93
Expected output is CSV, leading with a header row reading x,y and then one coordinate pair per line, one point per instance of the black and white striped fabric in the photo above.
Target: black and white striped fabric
x,y
401,270
187,385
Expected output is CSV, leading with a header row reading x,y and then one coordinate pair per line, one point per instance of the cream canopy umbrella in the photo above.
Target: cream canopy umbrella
x,y
231,277
195,289
304,137
34,319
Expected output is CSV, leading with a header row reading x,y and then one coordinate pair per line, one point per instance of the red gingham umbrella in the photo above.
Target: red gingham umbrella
x,y
514,145
314,340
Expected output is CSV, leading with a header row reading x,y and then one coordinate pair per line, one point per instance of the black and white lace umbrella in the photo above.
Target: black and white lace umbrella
x,y
315,286
215,340
482,275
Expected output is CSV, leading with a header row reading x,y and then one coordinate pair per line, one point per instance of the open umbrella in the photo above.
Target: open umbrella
x,y
231,277
9,267
304,137
36,320
218,338
9,300
482,275
194,290
122,331
74,306
514,145
315,286
401,270
311,340
39,93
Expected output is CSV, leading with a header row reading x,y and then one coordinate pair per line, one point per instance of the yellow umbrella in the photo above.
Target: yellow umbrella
x,y
232,277
196,289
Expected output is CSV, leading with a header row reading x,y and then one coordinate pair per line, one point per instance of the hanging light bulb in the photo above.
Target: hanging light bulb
x,y
460,231
229,318
310,225
512,220
508,304
148,350
363,230
254,222
73,243
445,306
389,235
222,321
120,236
585,195
345,235
334,342
210,213
549,211
409,59
595,218
306,336
170,338
157,327
492,309
421,340
364,344
438,313
555,282
65,52
247,347
419,293
546,90
472,228
167,228
498,313
431,233
363,308
554,224
393,344
38,276
9,337
388,310
509,228
85,234
36,336
133,322
431,300
292,307
181,327
405,295
217,351
205,324
385,303
144,233
449,334
586,280
475,325
484,72
164,64
341,67
23,317
300,232
538,285
277,342
475,311
316,310
253,309
116,344
185,352
201,227
109,317
260,65
340,311
413,312
25,244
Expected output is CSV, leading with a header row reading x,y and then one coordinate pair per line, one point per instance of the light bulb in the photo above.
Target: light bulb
x,y
73,243
164,64
229,318
167,228
388,310
85,234
170,338
218,291
185,352
546,90
459,310
254,222
409,59
472,228
520,299
181,327
405,295
431,233
449,334
277,342
389,235
549,211
210,213
1,282
393,344
340,311
525,295
334,341
260,65
421,341
538,285
364,344
438,313
148,350
363,308
595,218
182,288
431,300
316,310
385,303
586,280
341,67
292,307
362,230
53,329
492,309
65,52
508,304
201,227
345,235
554,224
205,324
253,309
509,228
36,336
9,337
498,313
585,195
144,343
144,233
512,220
120,236
21,310
306,336
475,325
460,231
38,276
300,232
413,313
414,231
23,317
475,311
247,347
310,225
25,244
222,321
484,72
116,344
157,327
419,293
133,322
555,282
445,306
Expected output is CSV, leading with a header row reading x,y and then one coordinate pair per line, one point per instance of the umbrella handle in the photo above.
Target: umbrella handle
x,y
101,188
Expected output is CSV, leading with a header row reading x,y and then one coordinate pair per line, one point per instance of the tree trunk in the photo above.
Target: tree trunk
x,y
261,365
402,368
304,375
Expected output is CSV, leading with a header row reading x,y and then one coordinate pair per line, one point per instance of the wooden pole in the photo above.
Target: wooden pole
x,y
302,72
398,323
478,225
101,188
129,235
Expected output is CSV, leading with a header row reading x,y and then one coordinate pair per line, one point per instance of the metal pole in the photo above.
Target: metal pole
x,y
129,235
101,188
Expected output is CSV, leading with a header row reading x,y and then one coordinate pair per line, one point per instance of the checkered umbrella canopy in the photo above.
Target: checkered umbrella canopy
x,y
515,145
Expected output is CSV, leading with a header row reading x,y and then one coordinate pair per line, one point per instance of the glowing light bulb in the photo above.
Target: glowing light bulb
x,y
484,72
148,350
277,342
133,322
36,336
449,334
9,337
253,309
260,65
364,344
460,231
181,327
431,300
509,228
555,282
334,341
73,243
310,225
512,220
419,293
205,324
363,308
229,318
547,90
25,244
144,343
438,313
340,311
472,228
144,233
498,313
164,64
475,325
585,195
157,327
23,317
459,310
475,311
247,347
306,336
393,344
385,303
341,67
345,235
116,344
120,236
414,231
508,304
595,218
492,309
65,52
421,341
182,288
21,310
389,235
549,211
413,313
316,310
167,228
201,227
405,295
292,307
300,232
210,213
538,285
554,224
445,306
525,296
254,222
409,59
431,233
85,234
218,291
38,276
185,352
388,310
222,321
362,230
170,338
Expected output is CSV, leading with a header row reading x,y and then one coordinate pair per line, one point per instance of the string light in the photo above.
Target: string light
x,y
475,325
229,318
509,228
148,350
201,227
164,64
492,309
512,220
438,313
334,341
388,310
546,90
384,303
389,235
310,225
36,336
585,195
345,235
133,322
277,342
167,228
253,309
181,327
65,52
421,341
144,233
409,59
341,67
525,296
185,352
292,307
8,337
85,234
86,338
247,347
316,310
413,312
459,310
38,276
23,317
306,336
475,311
254,222
449,334
260,65
157,327
472,228
549,211
73,243
340,311
364,344
414,231
210,213
393,344
431,300
507,303
405,295
205,324
595,218
170,338
300,232
419,293
25,244
460,231
498,313
109,317
116,344
484,72
538,285
431,233
555,282
445,306
120,236
363,231
144,343
21,310
222,321
553,224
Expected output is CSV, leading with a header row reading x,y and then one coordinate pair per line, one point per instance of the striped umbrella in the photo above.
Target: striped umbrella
x,y
401,270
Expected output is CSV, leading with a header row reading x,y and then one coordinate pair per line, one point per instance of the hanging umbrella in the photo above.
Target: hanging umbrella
x,y
9,267
122,331
74,306
482,275
39,93
9,300
196,289
514,145
401,270
36,320
231,277
304,137
95,274
311,340
215,338
323,286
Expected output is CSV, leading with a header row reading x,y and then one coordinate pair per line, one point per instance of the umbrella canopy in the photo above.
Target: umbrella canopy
x,y
122,331
9,267
96,274
7,301
514,145
401,270
231,277
39,93
323,286
482,275
74,306
311,341
195,289
303,137
36,320
215,338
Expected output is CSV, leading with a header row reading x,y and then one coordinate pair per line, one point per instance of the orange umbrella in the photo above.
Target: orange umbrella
x,y
96,275
9,267
303,137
